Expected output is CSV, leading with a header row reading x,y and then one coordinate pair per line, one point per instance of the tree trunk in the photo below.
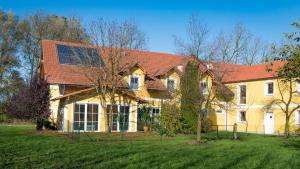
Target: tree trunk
x,y
199,128
39,124
287,126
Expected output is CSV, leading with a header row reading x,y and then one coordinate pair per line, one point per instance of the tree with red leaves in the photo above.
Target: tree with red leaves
x,y
31,102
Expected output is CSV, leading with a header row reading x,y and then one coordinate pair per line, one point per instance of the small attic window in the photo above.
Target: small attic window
x,y
209,66
171,84
134,82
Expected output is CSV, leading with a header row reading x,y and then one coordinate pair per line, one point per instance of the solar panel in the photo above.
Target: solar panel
x,y
74,55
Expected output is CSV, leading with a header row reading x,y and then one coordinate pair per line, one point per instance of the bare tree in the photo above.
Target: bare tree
x,y
197,33
285,101
114,40
41,26
239,46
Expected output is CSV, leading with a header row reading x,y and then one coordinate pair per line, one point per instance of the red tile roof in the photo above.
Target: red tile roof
x,y
153,63
237,73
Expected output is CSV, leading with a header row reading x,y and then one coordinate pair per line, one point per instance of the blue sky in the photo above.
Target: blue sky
x,y
160,20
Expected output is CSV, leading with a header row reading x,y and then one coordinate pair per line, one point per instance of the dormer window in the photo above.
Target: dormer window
x,y
171,84
134,83
203,87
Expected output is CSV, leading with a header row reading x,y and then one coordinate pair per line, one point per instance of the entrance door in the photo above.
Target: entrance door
x,y
269,123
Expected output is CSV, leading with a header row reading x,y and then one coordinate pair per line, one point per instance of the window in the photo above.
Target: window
x,y
171,84
79,117
85,117
242,94
61,90
219,111
120,117
298,87
203,87
269,88
154,114
134,83
205,113
297,117
241,116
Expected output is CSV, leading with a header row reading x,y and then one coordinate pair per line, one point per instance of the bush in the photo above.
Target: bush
x,y
31,102
206,125
170,118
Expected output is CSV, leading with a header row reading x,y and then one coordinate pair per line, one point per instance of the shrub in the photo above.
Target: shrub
x,y
31,102
170,118
206,125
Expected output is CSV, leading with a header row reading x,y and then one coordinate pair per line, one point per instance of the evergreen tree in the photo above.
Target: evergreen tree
x,y
191,96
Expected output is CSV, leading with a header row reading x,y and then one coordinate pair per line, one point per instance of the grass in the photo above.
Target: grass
x,y
22,147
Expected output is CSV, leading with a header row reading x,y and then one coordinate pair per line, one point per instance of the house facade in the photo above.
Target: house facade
x,y
148,80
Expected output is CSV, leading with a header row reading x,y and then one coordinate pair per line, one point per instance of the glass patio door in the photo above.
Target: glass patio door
x,y
86,117
120,117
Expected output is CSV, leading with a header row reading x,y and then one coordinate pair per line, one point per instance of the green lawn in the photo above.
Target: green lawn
x,y
22,147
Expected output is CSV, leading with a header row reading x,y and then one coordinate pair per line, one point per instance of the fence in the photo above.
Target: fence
x,y
225,132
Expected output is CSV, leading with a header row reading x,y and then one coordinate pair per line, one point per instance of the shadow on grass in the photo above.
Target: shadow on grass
x,y
291,143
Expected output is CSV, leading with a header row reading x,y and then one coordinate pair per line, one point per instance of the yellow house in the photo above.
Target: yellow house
x,y
149,77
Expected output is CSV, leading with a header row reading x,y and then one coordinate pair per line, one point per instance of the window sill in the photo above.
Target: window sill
x,y
269,94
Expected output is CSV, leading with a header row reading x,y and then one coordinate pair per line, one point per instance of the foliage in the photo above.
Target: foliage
x,y
31,102
206,124
170,119
145,116
41,26
10,78
190,95
288,74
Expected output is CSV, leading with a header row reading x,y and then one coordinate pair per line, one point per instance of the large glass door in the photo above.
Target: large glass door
x,y
86,117
120,117
79,117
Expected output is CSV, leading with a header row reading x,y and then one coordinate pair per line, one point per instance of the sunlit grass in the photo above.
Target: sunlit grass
x,y
22,147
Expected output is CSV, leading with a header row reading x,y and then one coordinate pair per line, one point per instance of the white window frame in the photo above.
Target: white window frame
x,y
85,116
172,80
129,117
204,91
297,113
238,116
298,87
139,81
238,94
266,88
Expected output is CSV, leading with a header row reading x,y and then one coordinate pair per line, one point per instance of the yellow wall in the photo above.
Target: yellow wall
x,y
255,107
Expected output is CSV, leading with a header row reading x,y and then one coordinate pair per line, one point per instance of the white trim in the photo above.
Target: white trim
x,y
139,82
266,88
238,116
129,117
238,94
174,83
85,115
205,92
297,122
298,87
65,116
